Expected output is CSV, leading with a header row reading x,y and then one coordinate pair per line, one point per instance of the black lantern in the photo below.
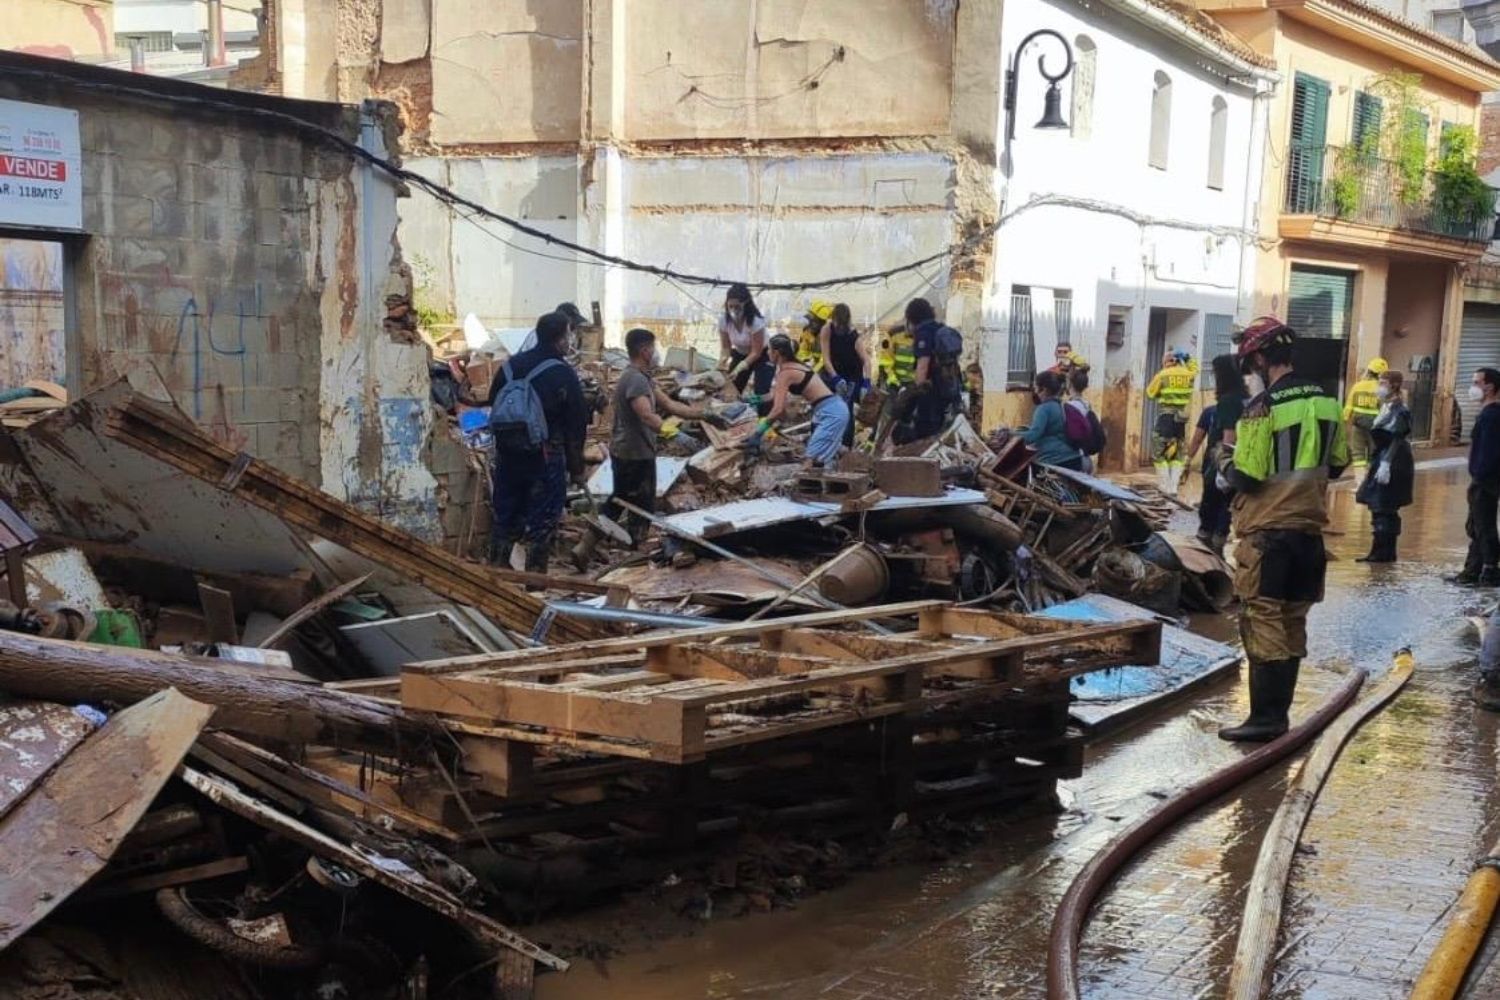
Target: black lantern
x,y
1052,116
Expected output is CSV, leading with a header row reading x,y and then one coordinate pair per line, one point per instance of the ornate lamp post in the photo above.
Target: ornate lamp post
x,y
1052,116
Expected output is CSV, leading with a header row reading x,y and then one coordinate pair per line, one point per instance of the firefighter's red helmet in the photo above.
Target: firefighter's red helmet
x,y
1268,331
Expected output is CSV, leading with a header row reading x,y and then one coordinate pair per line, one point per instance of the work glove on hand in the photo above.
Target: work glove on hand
x,y
669,428
753,443
1383,473
841,386
753,398
734,372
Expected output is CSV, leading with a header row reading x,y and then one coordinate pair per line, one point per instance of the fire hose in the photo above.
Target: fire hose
x,y
1067,923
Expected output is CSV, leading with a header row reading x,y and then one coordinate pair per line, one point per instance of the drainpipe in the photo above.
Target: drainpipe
x,y
137,54
214,55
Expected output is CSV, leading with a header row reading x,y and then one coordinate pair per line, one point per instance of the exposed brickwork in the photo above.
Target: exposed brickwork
x,y
1489,138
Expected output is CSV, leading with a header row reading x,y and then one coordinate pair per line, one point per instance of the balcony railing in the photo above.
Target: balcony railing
x,y
1340,183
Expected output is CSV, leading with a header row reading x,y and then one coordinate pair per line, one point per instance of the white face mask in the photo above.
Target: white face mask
x,y
1254,385
1382,391
1475,393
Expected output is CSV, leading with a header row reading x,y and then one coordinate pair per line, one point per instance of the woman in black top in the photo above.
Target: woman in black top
x,y
846,364
1216,424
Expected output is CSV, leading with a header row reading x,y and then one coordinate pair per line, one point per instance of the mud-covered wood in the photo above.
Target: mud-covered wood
x,y
248,701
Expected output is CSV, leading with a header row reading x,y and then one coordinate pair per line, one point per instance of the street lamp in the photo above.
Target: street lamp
x,y
1052,116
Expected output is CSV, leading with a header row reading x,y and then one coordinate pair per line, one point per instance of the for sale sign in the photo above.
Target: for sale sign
x,y
41,175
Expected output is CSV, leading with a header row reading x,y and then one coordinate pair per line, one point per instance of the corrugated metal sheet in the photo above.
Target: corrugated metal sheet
x,y
765,512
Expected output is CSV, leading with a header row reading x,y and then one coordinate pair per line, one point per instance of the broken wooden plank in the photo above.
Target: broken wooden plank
x,y
312,607
384,871
218,611
666,638
177,876
67,829
157,432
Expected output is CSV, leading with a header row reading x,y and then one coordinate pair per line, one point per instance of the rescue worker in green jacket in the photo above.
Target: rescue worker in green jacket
x,y
1289,442
1360,411
1172,388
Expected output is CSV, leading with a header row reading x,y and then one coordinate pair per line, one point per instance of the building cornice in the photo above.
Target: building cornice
x,y
1405,43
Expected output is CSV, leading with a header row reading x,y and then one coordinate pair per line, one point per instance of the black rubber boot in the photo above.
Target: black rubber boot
x,y
1374,554
1382,549
1486,692
1271,686
1489,577
537,556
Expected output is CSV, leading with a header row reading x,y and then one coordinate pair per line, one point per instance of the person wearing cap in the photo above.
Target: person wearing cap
x,y
1172,388
1360,411
809,340
830,415
1288,444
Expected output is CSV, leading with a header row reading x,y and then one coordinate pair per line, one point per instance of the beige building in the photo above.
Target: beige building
x,y
1357,250
59,29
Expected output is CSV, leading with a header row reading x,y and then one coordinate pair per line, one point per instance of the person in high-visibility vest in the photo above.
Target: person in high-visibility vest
x,y
1172,388
1360,411
897,358
809,346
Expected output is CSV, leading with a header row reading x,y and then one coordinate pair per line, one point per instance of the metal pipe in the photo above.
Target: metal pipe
x,y
593,612
137,54
1067,923
216,55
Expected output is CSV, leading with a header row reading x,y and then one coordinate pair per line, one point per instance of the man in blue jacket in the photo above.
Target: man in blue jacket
x,y
1482,566
531,484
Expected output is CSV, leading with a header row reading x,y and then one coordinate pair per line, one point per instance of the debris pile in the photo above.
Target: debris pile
x,y
349,740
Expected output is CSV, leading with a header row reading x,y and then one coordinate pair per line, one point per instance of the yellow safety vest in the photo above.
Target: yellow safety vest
x,y
1172,387
897,360
1363,400
808,349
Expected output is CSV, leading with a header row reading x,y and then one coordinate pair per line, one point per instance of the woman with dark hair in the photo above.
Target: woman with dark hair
x,y
742,341
1048,434
845,363
1076,374
1215,425
830,415
1388,479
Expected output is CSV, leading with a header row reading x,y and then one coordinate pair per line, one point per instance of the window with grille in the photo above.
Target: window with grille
x,y
1021,351
1308,146
1218,135
1364,134
1062,314
1218,334
151,41
1161,120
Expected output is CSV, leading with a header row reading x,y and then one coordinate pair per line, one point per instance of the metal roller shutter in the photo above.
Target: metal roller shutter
x,y
1320,302
1478,347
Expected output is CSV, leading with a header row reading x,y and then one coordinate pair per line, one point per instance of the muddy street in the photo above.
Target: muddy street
x,y
1407,809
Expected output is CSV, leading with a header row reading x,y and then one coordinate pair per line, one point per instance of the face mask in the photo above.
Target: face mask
x,y
735,312
1382,391
1475,393
1254,384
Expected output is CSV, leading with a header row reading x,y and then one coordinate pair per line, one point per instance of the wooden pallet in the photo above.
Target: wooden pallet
x,y
679,697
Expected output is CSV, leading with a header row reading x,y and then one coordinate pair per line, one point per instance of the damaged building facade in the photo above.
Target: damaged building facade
x,y
222,252
787,142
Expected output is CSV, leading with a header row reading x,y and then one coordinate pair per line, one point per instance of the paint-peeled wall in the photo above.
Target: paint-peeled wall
x,y
241,269
59,29
32,336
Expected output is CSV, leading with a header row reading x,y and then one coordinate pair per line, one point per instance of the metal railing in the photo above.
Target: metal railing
x,y
1341,183
1021,360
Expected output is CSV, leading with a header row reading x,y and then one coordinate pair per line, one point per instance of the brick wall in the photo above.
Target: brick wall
x,y
1489,138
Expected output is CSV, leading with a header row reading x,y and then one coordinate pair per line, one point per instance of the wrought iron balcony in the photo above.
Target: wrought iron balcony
x,y
1341,183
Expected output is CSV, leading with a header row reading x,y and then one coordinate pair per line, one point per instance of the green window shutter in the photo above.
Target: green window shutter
x,y
1365,135
1320,302
1443,135
1304,189
1417,122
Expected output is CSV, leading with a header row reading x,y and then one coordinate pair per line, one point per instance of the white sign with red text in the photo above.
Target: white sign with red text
x,y
41,166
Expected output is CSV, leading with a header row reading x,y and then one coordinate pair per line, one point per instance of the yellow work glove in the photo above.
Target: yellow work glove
x,y
669,428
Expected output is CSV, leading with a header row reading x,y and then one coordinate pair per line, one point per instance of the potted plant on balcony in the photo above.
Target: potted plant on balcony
x,y
1463,202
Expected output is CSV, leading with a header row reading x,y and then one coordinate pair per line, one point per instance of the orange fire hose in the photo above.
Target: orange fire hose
x,y
1443,976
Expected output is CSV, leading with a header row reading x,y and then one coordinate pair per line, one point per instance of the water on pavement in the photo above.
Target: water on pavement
x,y
1395,833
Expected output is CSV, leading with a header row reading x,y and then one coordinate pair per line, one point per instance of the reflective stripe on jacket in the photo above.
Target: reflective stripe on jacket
x,y
1363,399
1172,387
1288,444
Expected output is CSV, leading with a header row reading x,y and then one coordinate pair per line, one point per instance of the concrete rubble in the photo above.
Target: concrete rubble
x,y
352,740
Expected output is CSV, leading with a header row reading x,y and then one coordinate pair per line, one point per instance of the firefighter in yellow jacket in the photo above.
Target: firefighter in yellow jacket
x,y
1360,412
809,351
1172,388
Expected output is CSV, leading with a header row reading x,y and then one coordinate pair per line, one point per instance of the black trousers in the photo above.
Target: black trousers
x,y
1213,509
1484,536
635,482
